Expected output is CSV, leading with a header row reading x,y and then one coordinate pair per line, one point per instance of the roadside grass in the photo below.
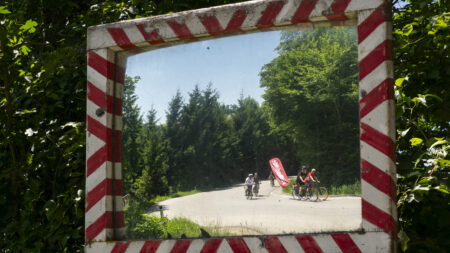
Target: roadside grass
x,y
216,229
156,227
354,188
158,199
179,226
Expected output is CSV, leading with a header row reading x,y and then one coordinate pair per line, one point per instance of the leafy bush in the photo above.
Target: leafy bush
x,y
137,221
421,40
423,199
133,215
151,227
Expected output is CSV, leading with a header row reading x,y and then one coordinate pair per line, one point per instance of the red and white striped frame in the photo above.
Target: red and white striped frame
x,y
108,46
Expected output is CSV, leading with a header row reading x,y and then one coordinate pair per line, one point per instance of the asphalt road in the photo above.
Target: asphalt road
x,y
271,213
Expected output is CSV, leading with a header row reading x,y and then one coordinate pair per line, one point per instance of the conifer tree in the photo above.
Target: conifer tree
x,y
132,163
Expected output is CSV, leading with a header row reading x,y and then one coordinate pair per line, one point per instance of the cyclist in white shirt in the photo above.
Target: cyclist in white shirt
x,y
249,183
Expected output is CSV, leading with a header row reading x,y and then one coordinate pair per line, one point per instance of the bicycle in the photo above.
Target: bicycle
x,y
248,192
297,194
256,189
318,193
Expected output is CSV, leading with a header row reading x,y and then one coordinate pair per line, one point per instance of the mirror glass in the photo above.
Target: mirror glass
x,y
199,118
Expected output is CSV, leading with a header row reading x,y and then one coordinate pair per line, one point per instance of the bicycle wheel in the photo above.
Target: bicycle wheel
x,y
308,194
295,195
323,193
249,193
315,195
302,194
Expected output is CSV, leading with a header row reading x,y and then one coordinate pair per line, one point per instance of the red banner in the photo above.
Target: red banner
x,y
279,172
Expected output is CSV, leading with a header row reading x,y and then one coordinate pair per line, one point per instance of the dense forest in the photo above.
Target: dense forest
x,y
43,113
309,117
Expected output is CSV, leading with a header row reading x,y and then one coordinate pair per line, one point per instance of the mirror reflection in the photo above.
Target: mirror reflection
x,y
245,135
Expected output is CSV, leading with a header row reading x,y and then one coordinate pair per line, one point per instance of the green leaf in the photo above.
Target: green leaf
x,y
421,99
29,26
404,239
413,174
415,141
25,50
408,28
3,10
421,189
399,81
26,111
444,162
71,124
438,143
442,188
30,158
418,161
426,180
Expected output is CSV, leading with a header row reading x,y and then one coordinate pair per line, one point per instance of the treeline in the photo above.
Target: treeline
x,y
202,144
309,117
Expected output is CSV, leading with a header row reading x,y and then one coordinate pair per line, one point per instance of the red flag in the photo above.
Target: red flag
x,y
279,172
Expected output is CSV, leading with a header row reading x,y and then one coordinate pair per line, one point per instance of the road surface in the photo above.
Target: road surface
x,y
271,213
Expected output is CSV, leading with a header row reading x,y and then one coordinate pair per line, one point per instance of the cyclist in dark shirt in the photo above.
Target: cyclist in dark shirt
x,y
256,182
256,178
301,179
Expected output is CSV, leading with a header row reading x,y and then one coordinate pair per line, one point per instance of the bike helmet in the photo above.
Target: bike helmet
x,y
313,170
256,173
250,175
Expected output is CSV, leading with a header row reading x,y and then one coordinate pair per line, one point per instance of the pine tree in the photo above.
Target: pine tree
x,y
153,181
172,137
132,164
252,129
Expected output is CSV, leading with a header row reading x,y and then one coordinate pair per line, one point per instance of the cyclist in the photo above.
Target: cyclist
x,y
256,183
301,179
256,178
272,179
249,181
311,180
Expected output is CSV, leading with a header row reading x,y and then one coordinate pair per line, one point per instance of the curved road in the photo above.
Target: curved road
x,y
271,213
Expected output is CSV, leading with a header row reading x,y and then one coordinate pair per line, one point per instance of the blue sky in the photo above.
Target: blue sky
x,y
232,64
